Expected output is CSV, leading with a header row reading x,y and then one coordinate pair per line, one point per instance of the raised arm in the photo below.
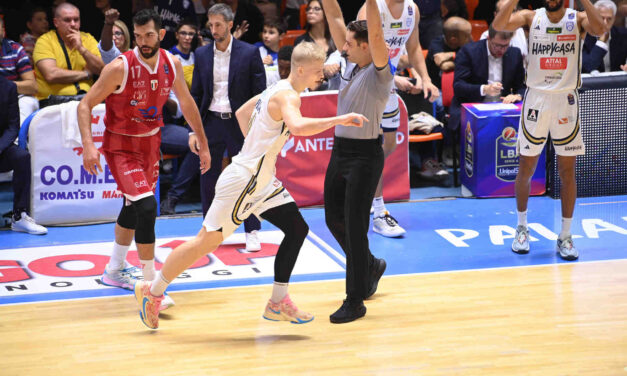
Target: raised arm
x,y
376,41
244,114
506,20
591,20
337,27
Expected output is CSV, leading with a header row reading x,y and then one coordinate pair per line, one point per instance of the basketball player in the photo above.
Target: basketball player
x,y
400,29
551,103
135,86
248,186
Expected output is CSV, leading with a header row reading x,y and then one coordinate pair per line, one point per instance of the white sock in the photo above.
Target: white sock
x,y
148,269
279,290
379,207
118,257
159,284
565,227
522,218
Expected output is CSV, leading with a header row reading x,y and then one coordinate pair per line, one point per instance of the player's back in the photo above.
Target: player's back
x,y
554,53
135,108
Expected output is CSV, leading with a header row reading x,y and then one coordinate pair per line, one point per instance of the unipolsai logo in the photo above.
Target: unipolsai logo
x,y
506,156
468,150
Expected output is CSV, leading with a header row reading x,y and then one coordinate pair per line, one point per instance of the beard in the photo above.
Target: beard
x,y
555,8
153,51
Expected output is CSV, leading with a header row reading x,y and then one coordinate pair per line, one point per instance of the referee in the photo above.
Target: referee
x,y
357,158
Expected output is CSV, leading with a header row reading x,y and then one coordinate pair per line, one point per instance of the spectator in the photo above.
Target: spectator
x,y
172,12
186,31
284,61
115,37
37,25
291,15
55,49
93,14
231,73
441,55
518,40
502,81
15,66
269,49
248,21
430,25
317,31
13,158
609,51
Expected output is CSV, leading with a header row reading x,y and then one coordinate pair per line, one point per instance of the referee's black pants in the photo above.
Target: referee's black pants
x,y
349,187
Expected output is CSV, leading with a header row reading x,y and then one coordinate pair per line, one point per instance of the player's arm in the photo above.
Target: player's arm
x,y
286,105
244,114
417,60
337,27
506,20
110,79
590,20
192,116
378,48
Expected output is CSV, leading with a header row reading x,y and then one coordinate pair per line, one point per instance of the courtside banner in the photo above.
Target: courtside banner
x,y
303,162
62,191
73,270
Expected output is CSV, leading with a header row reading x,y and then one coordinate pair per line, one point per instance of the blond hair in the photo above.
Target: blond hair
x,y
306,52
127,36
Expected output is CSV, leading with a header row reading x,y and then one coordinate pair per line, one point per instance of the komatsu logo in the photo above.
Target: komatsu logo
x,y
552,48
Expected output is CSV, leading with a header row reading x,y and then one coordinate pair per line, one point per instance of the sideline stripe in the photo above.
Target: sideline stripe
x,y
328,248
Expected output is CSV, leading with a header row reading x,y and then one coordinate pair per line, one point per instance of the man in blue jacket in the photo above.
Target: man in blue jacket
x,y
608,52
16,159
487,71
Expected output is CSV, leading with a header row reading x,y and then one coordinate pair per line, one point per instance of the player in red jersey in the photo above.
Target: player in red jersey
x,y
135,87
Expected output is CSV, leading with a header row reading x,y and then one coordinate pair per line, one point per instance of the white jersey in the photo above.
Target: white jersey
x,y
396,31
265,138
554,53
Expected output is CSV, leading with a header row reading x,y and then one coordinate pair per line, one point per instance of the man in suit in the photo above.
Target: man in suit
x,y
13,158
609,51
227,73
487,71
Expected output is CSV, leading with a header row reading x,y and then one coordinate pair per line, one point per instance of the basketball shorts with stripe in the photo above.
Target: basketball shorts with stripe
x,y
391,115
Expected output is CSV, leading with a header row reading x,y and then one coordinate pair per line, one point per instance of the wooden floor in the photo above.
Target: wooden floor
x,y
567,319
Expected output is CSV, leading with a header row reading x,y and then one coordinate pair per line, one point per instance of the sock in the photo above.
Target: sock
x,y
279,290
118,257
148,269
159,284
522,218
565,228
379,207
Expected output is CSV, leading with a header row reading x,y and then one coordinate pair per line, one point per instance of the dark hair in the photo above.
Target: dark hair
x,y
187,22
146,15
32,12
503,34
327,32
276,24
285,53
360,28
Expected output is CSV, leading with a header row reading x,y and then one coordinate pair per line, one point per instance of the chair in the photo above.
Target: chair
x,y
303,15
471,5
447,98
289,37
478,27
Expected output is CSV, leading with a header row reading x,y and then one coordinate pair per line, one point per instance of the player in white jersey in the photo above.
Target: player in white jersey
x,y
551,104
400,29
248,186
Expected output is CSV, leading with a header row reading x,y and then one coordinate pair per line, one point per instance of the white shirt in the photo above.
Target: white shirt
x,y
221,60
495,72
110,55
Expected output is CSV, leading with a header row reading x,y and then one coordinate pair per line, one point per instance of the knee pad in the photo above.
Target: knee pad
x,y
127,217
146,210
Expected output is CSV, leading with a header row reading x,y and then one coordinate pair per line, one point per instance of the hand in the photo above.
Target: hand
x,y
512,98
493,89
431,91
352,120
194,144
74,39
442,57
403,84
267,60
240,30
624,67
417,87
205,159
603,38
111,16
330,70
91,159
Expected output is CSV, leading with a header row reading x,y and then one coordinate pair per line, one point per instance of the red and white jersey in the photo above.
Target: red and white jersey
x,y
554,53
136,107
396,31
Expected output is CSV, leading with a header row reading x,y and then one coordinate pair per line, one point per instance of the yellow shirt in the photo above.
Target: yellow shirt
x,y
188,72
48,47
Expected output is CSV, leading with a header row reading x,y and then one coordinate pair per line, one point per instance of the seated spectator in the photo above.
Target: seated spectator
x,y
441,55
317,31
269,49
284,61
66,59
609,51
13,158
15,66
503,80
248,21
291,15
518,40
37,25
186,31
172,12
115,37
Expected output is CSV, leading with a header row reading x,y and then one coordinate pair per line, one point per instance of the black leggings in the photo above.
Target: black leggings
x,y
288,219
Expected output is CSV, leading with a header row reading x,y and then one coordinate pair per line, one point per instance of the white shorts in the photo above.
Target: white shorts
x,y
391,115
555,114
238,196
